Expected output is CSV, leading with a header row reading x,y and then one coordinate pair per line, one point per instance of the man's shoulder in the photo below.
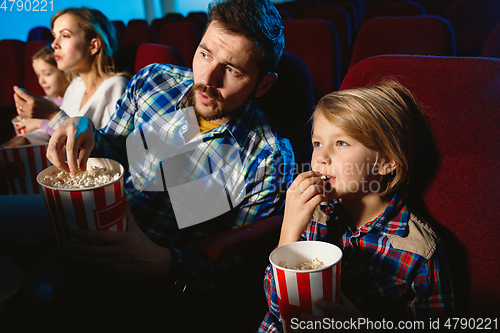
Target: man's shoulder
x,y
162,74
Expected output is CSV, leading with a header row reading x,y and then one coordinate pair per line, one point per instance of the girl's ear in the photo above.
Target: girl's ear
x,y
95,46
387,166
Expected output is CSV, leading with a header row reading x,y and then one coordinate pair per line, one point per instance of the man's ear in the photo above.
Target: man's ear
x,y
387,166
265,83
95,46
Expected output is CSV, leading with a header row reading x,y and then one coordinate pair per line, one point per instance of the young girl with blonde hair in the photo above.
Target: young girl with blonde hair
x,y
84,42
393,264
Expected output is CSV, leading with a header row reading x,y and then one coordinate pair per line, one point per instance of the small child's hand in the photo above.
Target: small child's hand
x,y
31,124
340,312
302,198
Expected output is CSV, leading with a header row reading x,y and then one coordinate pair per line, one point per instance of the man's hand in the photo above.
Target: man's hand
x,y
77,134
129,252
33,106
302,198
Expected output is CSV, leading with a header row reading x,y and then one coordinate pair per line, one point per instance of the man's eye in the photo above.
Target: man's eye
x,y
232,71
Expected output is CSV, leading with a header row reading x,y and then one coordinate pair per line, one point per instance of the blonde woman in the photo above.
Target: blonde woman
x,y
84,41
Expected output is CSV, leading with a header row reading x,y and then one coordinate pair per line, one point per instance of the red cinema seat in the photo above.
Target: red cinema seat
x,y
416,35
148,54
393,9
492,46
12,69
460,181
138,34
472,21
316,43
184,36
342,22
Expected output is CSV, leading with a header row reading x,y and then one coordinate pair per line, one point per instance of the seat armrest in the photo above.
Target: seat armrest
x,y
238,240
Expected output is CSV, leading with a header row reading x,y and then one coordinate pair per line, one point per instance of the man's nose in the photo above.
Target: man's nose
x,y
213,76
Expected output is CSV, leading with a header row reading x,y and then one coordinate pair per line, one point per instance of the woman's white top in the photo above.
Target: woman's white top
x,y
99,108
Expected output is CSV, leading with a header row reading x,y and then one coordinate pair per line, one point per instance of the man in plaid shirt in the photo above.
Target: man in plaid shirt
x,y
207,119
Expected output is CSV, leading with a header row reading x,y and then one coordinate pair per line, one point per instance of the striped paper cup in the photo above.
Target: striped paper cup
x,y
17,122
297,289
95,208
21,165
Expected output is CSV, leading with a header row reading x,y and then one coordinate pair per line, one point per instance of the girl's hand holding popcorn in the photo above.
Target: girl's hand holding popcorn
x,y
302,198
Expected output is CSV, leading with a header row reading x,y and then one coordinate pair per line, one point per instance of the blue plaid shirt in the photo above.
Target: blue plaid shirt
x,y
149,127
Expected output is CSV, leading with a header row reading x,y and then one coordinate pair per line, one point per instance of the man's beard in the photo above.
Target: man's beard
x,y
217,102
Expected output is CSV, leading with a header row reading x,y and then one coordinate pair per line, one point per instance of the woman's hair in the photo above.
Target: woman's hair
x,y
95,25
257,20
46,53
380,117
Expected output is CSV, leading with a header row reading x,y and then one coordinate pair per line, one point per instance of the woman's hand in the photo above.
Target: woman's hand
x,y
33,106
302,198
31,124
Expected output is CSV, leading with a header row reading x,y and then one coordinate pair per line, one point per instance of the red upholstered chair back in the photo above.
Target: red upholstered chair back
x,y
416,35
316,43
461,98
184,36
30,79
148,54
12,69
393,9
138,33
339,17
472,21
492,46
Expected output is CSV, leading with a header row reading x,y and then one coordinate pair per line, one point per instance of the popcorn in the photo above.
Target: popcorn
x,y
94,176
305,266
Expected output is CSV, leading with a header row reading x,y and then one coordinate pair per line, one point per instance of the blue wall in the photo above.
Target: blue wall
x,y
15,24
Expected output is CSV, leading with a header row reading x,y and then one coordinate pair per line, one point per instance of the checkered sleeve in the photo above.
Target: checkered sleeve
x,y
433,289
263,187
263,199
271,322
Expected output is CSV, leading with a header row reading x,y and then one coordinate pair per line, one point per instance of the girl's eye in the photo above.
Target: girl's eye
x,y
316,144
341,143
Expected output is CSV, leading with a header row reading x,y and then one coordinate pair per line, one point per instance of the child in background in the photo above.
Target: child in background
x,y
393,264
53,82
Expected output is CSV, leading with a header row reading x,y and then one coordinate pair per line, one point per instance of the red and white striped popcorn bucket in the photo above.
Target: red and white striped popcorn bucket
x,y
297,289
21,165
96,208
17,122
